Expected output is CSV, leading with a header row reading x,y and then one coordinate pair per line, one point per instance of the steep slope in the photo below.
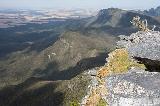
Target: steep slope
x,y
66,58
38,92
107,17
21,37
54,75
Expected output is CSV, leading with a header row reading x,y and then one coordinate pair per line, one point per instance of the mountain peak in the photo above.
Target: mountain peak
x,y
115,18
109,11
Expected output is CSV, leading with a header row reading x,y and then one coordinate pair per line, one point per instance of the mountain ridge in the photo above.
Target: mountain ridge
x,y
81,45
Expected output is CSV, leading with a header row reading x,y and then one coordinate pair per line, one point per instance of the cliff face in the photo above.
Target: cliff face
x,y
133,80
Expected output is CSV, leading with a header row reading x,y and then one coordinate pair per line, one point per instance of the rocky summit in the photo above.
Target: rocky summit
x,y
142,44
138,86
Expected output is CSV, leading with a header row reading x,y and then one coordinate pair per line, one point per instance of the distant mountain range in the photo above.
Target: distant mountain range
x,y
153,12
44,59
114,17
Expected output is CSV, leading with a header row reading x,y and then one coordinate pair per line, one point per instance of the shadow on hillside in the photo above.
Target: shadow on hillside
x,y
42,96
121,31
44,43
21,95
114,31
53,73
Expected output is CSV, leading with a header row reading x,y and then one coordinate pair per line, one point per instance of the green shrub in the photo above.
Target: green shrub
x,y
74,103
102,102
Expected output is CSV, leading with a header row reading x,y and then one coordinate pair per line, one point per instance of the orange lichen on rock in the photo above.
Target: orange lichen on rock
x,y
104,71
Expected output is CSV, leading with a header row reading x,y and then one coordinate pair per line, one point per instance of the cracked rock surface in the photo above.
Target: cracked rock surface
x,y
142,44
134,88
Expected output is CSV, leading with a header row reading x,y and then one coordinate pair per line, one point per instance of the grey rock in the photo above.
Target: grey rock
x,y
137,87
93,84
134,88
142,44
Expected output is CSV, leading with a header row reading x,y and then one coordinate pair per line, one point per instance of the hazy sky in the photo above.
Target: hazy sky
x,y
68,4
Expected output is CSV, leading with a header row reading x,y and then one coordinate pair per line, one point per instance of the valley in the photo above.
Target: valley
x,y
46,63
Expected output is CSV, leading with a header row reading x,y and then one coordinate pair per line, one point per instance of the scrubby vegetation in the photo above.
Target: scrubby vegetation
x,y
74,90
36,92
142,25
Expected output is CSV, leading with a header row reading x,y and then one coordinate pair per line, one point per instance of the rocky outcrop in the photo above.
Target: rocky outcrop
x,y
142,44
134,88
137,86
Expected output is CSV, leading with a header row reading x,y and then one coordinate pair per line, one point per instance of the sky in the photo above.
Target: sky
x,y
83,4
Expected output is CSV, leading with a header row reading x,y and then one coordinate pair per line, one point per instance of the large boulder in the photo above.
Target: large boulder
x,y
142,44
134,88
137,87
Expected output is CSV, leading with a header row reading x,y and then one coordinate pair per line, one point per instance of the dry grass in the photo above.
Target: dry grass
x,y
95,98
104,71
118,62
